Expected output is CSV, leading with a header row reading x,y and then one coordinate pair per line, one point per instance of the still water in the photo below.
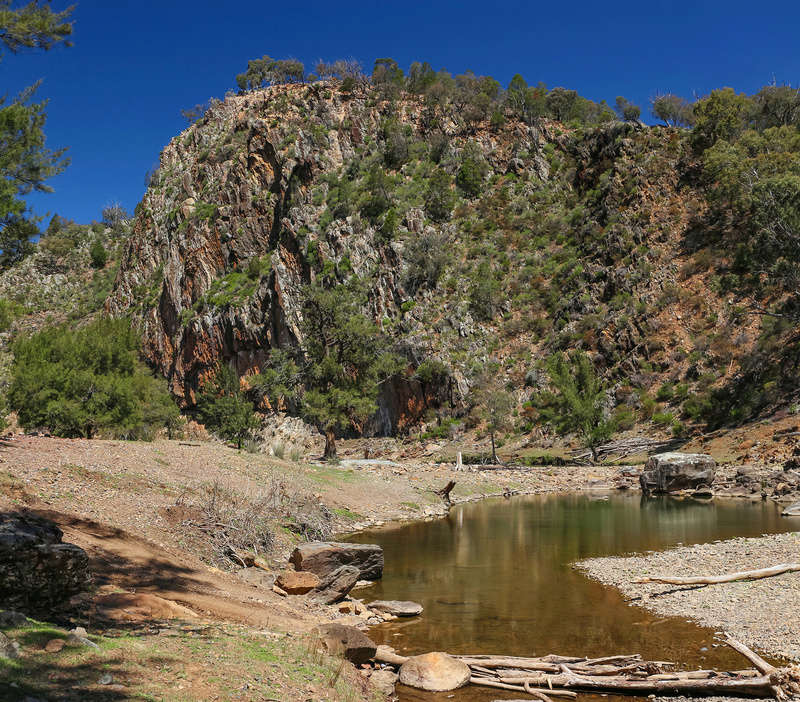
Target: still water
x,y
496,577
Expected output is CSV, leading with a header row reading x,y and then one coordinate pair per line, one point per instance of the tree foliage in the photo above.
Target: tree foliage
x,y
492,403
347,358
25,162
577,402
87,382
673,110
33,26
224,408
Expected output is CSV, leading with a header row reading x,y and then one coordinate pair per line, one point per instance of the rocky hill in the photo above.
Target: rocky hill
x,y
497,242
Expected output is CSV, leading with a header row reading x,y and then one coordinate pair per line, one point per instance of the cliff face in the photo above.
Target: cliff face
x,y
574,239
222,239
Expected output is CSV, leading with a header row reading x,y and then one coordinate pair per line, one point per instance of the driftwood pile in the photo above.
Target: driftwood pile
x,y
552,678
622,448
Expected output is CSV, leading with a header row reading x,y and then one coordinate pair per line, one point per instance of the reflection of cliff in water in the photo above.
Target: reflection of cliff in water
x,y
495,577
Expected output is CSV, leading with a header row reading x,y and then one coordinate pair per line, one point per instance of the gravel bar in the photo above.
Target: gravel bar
x,y
764,614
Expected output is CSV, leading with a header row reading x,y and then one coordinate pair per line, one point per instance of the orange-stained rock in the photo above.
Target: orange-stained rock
x,y
297,582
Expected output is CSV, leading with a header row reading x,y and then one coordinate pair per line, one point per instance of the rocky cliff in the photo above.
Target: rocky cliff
x,y
574,237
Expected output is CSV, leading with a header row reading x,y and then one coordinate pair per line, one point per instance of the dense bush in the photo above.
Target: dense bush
x,y
224,408
88,382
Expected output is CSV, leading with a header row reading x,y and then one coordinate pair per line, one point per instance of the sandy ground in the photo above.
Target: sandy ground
x,y
764,614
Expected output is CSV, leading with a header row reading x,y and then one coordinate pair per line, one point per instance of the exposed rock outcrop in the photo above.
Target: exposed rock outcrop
x,y
325,557
335,586
38,572
670,472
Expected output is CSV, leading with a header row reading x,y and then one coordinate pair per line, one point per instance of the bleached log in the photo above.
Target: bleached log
x,y
729,578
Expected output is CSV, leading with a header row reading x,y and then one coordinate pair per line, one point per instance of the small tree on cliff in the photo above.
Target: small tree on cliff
x,y
347,355
578,403
223,407
492,404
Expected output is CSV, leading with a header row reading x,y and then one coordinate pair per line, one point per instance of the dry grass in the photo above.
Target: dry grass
x,y
229,527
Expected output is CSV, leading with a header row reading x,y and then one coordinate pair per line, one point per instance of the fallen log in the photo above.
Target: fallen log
x,y
483,682
729,578
548,677
758,662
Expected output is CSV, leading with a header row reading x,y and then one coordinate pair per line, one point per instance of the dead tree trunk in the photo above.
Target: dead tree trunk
x,y
330,445
444,493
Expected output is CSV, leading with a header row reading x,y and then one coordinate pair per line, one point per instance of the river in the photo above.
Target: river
x,y
496,577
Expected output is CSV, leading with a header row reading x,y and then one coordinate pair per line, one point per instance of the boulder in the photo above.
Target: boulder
x,y
435,672
257,577
10,619
324,557
8,648
38,572
383,681
669,472
792,510
336,586
397,607
345,641
297,582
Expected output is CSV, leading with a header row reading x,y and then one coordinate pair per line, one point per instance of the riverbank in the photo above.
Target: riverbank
x,y
127,504
763,614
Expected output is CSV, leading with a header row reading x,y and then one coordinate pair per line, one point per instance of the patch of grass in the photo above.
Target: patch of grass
x,y
345,513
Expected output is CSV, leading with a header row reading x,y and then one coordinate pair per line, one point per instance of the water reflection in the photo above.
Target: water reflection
x,y
495,577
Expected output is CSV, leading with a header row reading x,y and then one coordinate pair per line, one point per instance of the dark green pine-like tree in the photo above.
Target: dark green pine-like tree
x,y
224,408
25,162
347,358
577,404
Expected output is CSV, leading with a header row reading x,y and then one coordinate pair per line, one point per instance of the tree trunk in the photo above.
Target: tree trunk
x,y
494,453
330,445
593,449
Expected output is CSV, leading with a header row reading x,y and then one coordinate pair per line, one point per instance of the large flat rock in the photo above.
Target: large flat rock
x,y
670,472
324,557
398,608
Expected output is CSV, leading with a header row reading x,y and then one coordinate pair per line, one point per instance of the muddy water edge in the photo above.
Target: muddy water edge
x,y
497,577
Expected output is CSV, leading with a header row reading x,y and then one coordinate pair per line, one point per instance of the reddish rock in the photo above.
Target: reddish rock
x,y
296,582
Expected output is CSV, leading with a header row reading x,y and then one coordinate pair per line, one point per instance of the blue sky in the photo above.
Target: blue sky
x,y
116,96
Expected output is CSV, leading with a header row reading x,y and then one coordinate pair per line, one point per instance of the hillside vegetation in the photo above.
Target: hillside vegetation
x,y
368,253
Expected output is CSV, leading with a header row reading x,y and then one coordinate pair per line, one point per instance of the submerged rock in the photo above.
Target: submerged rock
x,y
670,472
435,672
346,641
397,607
324,557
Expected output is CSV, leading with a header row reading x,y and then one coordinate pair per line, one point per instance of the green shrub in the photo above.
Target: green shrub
x,y
223,407
89,381
473,171
98,254
663,418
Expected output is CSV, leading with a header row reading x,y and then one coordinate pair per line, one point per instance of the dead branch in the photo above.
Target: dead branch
x,y
444,493
731,577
